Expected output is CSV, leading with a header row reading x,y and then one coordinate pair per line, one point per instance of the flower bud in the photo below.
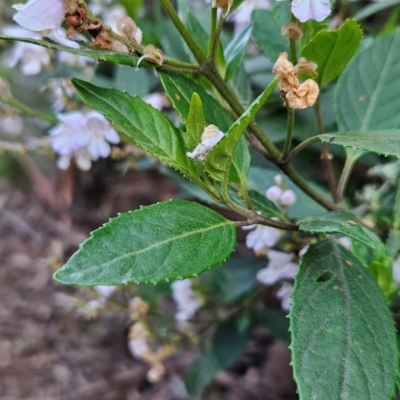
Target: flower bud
x,y
287,198
274,193
291,31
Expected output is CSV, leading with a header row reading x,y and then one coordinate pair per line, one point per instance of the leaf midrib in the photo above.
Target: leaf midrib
x,y
154,245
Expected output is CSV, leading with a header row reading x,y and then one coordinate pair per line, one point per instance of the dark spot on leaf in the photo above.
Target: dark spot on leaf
x,y
324,277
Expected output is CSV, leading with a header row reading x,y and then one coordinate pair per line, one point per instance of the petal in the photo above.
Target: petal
x,y
311,9
59,36
39,15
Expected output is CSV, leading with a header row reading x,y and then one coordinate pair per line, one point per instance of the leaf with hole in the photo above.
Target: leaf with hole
x,y
166,241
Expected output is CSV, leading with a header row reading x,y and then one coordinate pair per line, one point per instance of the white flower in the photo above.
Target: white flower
x,y
209,138
345,242
105,291
62,91
305,10
186,300
262,237
112,15
72,60
31,58
44,17
138,346
284,295
158,100
288,198
279,195
280,267
11,125
84,136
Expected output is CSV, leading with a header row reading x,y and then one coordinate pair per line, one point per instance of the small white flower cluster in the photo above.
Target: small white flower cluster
x,y
279,195
92,307
83,136
281,265
186,300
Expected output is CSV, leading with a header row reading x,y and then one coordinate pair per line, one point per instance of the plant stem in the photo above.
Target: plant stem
x,y
299,148
289,133
351,158
194,48
273,152
217,36
213,32
325,156
25,110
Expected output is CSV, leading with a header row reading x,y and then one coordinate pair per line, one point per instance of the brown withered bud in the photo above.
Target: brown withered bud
x,y
221,3
306,67
303,96
108,42
283,66
153,55
291,31
78,21
127,28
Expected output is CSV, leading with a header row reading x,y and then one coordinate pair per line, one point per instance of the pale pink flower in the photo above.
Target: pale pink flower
x,y
280,266
186,300
32,58
44,17
262,237
209,138
305,10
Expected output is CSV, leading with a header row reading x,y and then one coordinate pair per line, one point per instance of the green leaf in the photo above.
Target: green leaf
x,y
235,52
366,96
218,161
267,30
264,206
343,337
85,50
180,89
195,123
166,241
336,222
148,127
382,142
372,9
197,31
332,50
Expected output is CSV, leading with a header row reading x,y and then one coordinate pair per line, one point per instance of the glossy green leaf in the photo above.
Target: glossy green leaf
x,y
366,96
264,206
267,26
148,127
341,222
180,89
218,161
382,142
343,337
332,50
235,52
162,242
85,50
195,123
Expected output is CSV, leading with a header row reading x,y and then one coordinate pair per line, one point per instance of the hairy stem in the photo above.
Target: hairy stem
x,y
325,155
289,133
